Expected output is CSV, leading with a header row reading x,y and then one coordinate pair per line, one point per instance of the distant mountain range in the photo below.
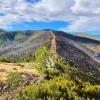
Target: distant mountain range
x,y
95,37
81,50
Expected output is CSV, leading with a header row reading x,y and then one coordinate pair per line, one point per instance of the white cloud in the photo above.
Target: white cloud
x,y
85,24
87,7
83,14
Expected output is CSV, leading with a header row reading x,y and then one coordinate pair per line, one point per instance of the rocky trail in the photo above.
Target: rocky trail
x,y
53,46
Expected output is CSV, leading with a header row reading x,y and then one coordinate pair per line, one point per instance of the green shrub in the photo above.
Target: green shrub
x,y
4,59
42,55
59,88
91,92
73,73
25,57
14,79
56,89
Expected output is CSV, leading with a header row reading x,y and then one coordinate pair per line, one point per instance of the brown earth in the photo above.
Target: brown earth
x,y
6,68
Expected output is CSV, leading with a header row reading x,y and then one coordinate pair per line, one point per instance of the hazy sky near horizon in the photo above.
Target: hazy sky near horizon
x,y
66,15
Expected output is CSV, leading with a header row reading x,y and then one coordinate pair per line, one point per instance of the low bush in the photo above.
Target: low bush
x,y
60,88
4,59
14,79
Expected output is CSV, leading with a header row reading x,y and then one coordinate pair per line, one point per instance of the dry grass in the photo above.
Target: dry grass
x,y
6,68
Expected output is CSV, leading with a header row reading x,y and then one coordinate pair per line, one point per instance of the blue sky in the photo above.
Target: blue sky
x,y
94,32
54,25
65,15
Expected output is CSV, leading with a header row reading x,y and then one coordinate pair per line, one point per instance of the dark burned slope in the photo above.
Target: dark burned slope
x,y
71,47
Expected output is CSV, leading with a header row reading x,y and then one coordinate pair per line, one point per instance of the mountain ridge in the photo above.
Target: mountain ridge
x,y
82,52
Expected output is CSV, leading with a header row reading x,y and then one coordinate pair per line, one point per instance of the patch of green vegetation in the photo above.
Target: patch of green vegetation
x,y
60,88
4,59
61,66
14,79
25,57
73,73
45,63
41,56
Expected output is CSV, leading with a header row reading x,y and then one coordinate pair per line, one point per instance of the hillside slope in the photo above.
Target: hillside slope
x,y
80,51
75,50
20,42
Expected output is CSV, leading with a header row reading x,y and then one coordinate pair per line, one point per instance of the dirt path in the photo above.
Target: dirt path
x,y
53,47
